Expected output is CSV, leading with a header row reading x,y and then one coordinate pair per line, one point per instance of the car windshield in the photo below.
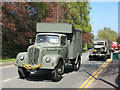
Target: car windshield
x,y
47,38
99,43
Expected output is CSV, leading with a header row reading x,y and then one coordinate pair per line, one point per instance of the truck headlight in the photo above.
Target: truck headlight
x,y
47,59
21,57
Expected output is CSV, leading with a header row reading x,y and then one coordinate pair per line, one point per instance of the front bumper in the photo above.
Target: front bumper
x,y
27,66
34,67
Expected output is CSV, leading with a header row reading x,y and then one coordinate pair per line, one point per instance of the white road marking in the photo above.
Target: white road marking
x,y
6,80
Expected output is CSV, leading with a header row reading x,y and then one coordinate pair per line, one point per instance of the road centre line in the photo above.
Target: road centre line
x,y
96,75
98,70
6,66
91,76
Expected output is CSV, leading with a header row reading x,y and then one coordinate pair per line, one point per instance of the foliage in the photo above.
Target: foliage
x,y
107,33
51,13
87,37
7,60
19,21
89,45
77,13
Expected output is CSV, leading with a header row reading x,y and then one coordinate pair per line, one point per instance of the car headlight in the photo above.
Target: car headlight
x,y
21,57
47,59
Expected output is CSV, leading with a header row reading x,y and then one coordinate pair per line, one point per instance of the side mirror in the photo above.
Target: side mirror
x,y
30,41
68,42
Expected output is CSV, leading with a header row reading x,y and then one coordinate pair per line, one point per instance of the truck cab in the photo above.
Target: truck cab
x,y
49,46
100,49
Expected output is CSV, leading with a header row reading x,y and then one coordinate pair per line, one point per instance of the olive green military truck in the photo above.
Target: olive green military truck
x,y
56,45
101,49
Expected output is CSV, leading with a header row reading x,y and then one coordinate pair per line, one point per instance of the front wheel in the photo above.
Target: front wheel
x,y
23,73
57,72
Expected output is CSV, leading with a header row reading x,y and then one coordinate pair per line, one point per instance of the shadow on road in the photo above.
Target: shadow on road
x,y
109,70
40,76
45,76
68,69
89,73
117,80
109,83
97,59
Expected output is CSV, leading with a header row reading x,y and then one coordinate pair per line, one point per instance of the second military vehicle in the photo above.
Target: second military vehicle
x,y
101,48
56,45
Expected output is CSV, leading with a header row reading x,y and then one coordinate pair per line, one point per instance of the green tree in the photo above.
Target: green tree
x,y
77,13
19,18
107,33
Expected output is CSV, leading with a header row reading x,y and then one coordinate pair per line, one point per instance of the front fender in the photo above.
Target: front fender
x,y
20,62
54,59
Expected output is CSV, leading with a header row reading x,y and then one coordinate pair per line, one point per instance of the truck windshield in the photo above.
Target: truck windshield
x,y
47,38
99,43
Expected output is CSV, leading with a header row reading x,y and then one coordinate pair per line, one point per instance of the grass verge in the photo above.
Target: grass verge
x,y
7,60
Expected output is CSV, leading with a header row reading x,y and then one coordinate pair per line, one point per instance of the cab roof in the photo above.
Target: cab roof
x,y
51,34
55,28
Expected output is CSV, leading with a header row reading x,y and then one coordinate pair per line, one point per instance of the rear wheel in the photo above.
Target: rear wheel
x,y
57,72
90,58
105,57
77,65
23,73
109,56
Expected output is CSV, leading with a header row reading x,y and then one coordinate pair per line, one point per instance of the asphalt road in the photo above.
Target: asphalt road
x,y
71,79
109,78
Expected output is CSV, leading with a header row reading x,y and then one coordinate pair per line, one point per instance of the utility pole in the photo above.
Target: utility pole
x,y
58,12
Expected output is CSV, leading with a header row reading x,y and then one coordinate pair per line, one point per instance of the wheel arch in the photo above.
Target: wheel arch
x,y
55,58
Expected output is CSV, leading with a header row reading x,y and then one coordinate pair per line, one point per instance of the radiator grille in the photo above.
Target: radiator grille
x,y
98,51
33,55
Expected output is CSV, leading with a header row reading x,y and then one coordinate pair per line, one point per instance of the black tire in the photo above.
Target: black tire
x,y
105,58
57,72
109,56
90,58
77,65
62,69
23,73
